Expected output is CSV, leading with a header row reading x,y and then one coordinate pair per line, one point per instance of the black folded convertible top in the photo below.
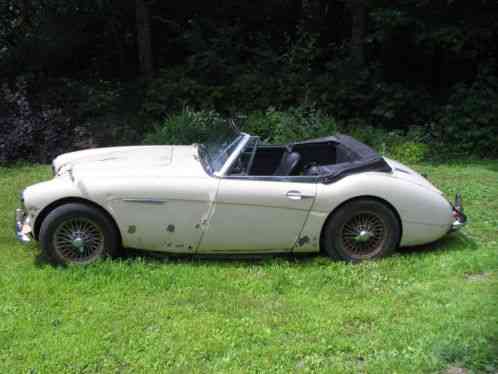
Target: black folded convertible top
x,y
352,157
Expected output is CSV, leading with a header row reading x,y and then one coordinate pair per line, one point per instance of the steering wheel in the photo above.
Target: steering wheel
x,y
238,167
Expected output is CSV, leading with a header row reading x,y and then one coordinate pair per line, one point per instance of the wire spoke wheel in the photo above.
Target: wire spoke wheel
x,y
78,239
363,235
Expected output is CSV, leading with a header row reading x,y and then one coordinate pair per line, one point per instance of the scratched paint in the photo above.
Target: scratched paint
x,y
303,240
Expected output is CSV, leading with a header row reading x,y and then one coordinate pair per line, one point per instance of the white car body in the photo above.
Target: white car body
x,y
163,199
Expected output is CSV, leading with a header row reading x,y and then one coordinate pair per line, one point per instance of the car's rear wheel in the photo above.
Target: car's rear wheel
x,y
78,234
360,230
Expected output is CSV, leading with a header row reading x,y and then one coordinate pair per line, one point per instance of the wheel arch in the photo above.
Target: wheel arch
x,y
362,197
68,200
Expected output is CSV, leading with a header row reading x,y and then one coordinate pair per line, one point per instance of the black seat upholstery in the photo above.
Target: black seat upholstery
x,y
288,163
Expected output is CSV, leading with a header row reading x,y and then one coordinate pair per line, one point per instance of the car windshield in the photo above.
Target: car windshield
x,y
216,150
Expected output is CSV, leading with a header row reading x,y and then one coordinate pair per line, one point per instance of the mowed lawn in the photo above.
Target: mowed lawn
x,y
426,309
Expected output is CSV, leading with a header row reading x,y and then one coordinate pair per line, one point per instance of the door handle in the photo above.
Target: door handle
x,y
297,195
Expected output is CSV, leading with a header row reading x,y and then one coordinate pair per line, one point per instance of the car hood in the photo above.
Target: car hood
x,y
136,161
405,173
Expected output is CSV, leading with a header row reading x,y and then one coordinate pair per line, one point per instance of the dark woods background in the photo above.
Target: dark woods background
x,y
415,78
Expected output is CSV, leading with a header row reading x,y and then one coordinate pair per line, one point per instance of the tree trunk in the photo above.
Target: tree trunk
x,y
296,10
26,7
144,39
358,18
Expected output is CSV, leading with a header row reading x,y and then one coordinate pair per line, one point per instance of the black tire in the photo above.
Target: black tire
x,y
362,229
94,233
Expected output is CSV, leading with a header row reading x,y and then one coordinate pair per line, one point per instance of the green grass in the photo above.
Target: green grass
x,y
423,310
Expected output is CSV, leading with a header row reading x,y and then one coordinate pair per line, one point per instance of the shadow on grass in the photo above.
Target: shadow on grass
x,y
452,242
220,259
135,255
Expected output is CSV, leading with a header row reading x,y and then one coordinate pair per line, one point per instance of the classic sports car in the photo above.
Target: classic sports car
x,y
233,194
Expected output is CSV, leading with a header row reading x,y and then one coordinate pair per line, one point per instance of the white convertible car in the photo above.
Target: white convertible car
x,y
234,195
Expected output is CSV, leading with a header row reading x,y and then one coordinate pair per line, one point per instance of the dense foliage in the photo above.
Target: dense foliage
x,y
29,134
112,71
294,124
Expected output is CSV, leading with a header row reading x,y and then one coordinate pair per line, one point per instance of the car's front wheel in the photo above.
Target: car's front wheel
x,y
362,229
78,234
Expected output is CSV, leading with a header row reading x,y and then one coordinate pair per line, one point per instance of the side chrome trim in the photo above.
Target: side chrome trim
x,y
146,200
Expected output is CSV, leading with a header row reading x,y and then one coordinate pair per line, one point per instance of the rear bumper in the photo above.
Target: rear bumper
x,y
23,227
460,217
457,225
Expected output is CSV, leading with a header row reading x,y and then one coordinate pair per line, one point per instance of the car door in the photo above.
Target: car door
x,y
257,214
164,214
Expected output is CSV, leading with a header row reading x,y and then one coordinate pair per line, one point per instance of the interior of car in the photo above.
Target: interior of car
x,y
297,159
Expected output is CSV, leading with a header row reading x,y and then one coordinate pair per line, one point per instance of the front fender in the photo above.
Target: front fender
x,y
38,197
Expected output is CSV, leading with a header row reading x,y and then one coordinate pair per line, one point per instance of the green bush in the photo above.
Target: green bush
x,y
468,124
248,90
186,127
295,124
409,151
172,90
292,125
351,96
191,126
374,137
409,147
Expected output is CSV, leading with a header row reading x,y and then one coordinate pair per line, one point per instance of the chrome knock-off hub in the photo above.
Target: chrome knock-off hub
x,y
363,236
79,244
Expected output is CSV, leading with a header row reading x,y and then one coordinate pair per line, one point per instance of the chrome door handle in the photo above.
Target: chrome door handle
x,y
297,195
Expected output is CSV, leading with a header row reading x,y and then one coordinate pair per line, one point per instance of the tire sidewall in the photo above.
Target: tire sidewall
x,y
68,211
332,238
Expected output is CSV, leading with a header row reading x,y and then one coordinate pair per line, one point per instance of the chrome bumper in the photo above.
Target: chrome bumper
x,y
23,227
460,217
457,225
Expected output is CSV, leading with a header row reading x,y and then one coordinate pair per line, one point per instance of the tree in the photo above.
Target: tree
x,y
144,38
358,20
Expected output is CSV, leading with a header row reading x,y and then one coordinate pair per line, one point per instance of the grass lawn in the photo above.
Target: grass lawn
x,y
423,310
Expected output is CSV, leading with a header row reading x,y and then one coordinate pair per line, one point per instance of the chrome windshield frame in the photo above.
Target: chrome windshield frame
x,y
233,156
